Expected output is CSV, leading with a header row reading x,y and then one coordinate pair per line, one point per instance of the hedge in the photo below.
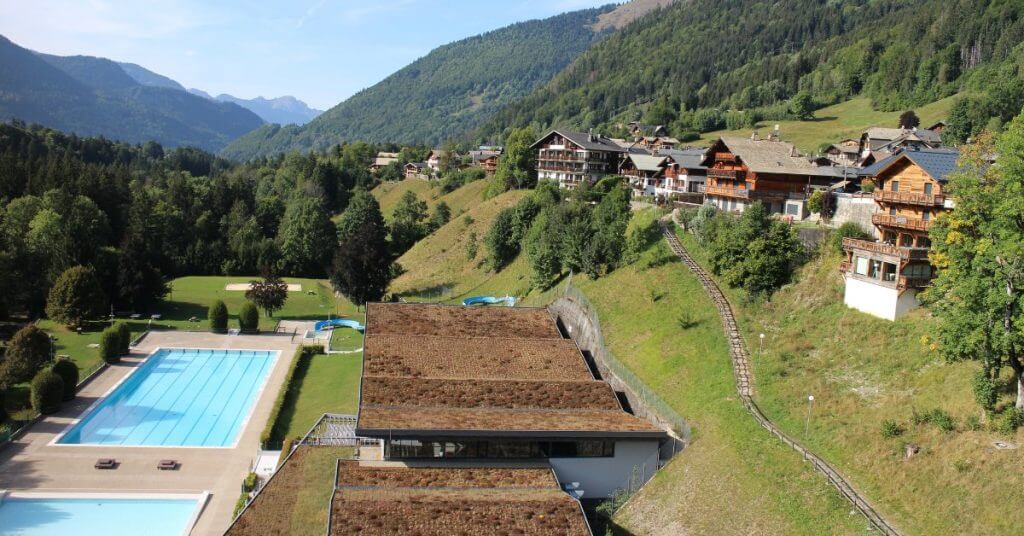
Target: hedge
x,y
218,317
47,392
249,318
125,333
272,436
68,372
110,345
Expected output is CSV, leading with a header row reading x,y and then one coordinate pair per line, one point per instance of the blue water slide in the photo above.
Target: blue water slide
x,y
490,300
338,323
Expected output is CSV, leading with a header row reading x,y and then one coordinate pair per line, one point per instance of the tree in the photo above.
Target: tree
x,y
802,106
110,346
306,237
218,317
978,295
755,253
268,294
140,283
909,120
27,352
442,215
408,223
47,392
68,372
75,297
518,163
501,240
248,318
363,264
543,248
816,203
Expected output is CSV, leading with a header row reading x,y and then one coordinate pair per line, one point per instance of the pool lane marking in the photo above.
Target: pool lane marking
x,y
204,414
190,386
230,397
248,401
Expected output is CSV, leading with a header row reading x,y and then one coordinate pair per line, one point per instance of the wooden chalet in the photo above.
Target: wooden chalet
x,y
382,160
645,173
741,171
574,157
844,153
416,170
685,172
883,276
487,159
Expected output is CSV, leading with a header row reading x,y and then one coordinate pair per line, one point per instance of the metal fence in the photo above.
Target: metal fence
x,y
649,398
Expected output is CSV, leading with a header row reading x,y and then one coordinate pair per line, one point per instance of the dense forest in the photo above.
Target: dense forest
x,y
446,93
139,215
706,64
97,97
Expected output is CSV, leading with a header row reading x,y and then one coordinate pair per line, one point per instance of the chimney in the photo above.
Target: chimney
x,y
755,137
590,135
774,136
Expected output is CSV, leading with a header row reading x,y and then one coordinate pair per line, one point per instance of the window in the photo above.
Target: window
x,y
926,215
924,242
907,241
861,266
892,211
918,271
498,449
895,186
928,188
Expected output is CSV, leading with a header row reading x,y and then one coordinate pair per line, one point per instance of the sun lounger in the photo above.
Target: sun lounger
x,y
168,465
106,463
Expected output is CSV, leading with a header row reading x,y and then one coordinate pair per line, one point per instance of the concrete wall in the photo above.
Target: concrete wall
x,y
633,464
855,208
878,300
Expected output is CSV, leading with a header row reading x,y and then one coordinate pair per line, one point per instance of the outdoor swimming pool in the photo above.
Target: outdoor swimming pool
x,y
178,397
31,516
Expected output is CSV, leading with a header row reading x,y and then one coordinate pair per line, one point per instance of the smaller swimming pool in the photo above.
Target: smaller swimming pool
x,y
180,397
32,514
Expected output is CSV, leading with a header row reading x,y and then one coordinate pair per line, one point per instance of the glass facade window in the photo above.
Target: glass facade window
x,y
498,449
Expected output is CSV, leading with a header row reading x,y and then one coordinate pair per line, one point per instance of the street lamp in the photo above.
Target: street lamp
x,y
760,346
807,425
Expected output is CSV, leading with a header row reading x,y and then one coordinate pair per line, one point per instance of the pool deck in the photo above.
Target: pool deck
x,y
32,463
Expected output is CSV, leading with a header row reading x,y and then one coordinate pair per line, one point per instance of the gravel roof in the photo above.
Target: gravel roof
x,y
458,321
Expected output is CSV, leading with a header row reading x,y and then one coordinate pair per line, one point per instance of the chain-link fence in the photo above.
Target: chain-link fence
x,y
651,400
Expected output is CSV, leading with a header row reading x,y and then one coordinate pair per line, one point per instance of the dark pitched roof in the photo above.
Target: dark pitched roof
x,y
686,158
938,163
595,142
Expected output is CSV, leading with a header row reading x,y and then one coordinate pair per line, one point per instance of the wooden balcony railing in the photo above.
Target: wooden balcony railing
x,y
902,222
907,281
881,248
741,193
725,157
730,174
909,198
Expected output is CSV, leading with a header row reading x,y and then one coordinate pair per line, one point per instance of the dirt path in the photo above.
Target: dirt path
x,y
744,386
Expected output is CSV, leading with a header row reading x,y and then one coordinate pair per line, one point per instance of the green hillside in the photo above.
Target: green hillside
x,y
832,123
94,96
706,65
448,92
388,194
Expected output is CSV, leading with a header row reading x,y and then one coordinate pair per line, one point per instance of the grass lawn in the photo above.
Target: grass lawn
x,y
346,340
861,371
833,123
330,384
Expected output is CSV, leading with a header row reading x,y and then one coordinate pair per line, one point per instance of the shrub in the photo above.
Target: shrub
x,y
816,203
249,318
471,246
47,392
847,230
941,419
973,423
249,484
985,390
26,353
68,372
110,346
125,334
218,317
1011,419
891,429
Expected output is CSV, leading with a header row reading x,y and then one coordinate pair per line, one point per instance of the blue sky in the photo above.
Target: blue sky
x,y
320,51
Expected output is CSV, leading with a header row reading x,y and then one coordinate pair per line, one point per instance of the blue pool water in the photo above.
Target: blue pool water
x,y
178,397
86,517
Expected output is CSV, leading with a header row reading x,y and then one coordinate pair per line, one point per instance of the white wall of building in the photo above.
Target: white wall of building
x,y
602,477
878,300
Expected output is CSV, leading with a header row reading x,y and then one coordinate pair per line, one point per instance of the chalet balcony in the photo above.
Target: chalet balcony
x,y
910,198
741,193
727,174
881,248
725,157
914,282
901,222
564,157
